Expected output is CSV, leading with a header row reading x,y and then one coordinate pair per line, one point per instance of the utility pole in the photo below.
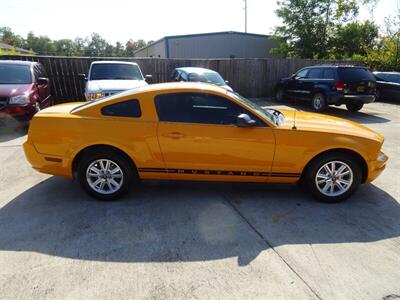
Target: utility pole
x,y
245,15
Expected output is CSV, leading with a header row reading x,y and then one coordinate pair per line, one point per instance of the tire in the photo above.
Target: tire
x,y
279,95
317,179
318,102
114,170
355,106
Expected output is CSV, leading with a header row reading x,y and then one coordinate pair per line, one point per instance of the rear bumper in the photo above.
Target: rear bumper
x,y
48,164
344,99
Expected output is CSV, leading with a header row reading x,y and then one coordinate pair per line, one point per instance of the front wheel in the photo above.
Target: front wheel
x,y
333,177
105,175
356,106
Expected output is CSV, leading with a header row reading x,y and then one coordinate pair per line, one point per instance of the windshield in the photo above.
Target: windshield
x,y
208,77
15,74
272,115
115,71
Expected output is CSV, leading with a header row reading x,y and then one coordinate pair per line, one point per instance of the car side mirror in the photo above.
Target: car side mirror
x,y
82,76
227,82
244,120
42,81
149,78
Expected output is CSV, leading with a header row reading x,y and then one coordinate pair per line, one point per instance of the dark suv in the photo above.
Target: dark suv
x,y
327,84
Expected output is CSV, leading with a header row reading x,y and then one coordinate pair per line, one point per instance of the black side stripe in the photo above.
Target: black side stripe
x,y
214,172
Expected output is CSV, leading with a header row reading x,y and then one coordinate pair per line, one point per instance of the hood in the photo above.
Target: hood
x,y
9,90
113,85
307,121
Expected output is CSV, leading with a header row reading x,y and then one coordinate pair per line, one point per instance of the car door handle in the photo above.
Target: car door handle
x,y
174,135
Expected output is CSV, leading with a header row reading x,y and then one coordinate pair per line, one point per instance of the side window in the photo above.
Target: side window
x,y
302,74
183,77
199,108
37,72
314,73
130,108
328,73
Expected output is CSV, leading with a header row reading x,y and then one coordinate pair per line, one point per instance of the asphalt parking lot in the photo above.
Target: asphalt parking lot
x,y
200,240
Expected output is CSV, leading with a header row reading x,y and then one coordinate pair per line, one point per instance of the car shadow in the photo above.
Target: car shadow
x,y
360,117
165,222
8,133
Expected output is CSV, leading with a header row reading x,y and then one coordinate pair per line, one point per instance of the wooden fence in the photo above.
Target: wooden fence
x,y
249,77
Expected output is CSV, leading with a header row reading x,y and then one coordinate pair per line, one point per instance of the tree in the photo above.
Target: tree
x,y
64,47
39,44
354,39
96,45
131,46
308,25
385,55
10,38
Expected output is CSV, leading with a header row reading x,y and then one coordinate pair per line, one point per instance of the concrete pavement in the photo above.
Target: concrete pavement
x,y
200,240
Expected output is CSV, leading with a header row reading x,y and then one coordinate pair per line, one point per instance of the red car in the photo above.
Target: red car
x,y
24,90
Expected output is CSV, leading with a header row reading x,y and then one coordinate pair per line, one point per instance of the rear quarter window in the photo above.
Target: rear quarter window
x,y
355,74
130,108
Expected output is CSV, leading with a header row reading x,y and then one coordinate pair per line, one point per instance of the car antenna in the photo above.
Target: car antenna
x,y
294,120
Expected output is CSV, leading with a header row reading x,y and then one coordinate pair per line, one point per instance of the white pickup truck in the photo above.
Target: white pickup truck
x,y
107,78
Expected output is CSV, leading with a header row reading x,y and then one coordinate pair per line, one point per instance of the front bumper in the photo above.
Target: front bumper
x,y
375,168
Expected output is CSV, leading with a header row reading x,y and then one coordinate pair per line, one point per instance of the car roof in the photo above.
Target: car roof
x,y
98,62
18,62
335,66
195,70
158,87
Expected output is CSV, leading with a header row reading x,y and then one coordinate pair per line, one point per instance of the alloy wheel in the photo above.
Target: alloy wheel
x,y
104,176
334,178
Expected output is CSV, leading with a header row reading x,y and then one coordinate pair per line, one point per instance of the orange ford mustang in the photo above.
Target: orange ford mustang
x,y
196,131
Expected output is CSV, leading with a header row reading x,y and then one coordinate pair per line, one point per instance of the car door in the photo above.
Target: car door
x,y
199,139
314,78
295,85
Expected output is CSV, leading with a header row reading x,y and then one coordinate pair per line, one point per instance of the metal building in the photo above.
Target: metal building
x,y
228,44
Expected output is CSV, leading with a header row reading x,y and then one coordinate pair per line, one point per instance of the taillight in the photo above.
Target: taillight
x,y
339,85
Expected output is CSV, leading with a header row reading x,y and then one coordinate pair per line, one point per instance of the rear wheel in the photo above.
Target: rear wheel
x,y
333,177
318,102
105,175
354,106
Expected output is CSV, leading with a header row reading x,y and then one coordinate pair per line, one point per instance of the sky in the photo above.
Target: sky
x,y
121,20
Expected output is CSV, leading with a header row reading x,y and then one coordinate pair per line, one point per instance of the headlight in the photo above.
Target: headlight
x,y
382,157
20,100
95,96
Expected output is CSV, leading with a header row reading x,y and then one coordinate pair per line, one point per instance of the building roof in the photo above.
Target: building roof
x,y
8,47
200,35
